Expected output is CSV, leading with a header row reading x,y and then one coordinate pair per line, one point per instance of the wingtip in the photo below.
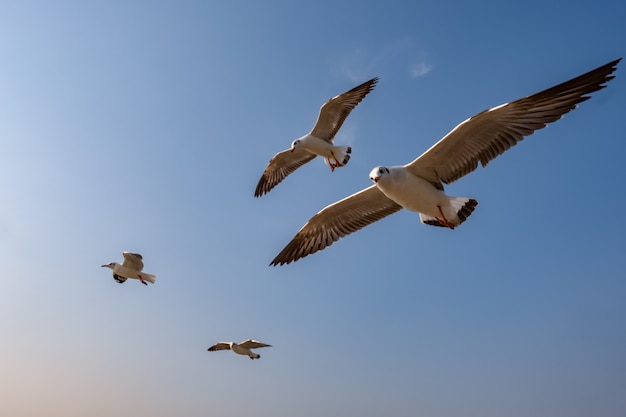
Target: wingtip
x,y
281,262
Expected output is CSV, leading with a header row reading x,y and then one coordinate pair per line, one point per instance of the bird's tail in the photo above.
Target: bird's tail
x,y
342,156
456,213
148,277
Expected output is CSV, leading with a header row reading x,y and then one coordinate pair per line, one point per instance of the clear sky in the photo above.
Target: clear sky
x,y
145,125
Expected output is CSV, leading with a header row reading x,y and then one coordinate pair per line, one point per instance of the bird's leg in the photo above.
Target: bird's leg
x,y
443,219
331,164
142,281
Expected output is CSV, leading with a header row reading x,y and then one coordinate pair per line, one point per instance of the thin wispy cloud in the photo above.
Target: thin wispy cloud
x,y
420,69
400,55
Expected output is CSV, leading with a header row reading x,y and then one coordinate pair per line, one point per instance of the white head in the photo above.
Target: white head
x,y
378,172
109,265
295,144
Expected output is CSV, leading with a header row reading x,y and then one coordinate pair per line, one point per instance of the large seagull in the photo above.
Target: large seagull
x,y
418,186
318,142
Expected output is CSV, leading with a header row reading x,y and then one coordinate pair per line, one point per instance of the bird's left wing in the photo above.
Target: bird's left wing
x,y
253,344
219,346
132,261
281,165
334,112
490,133
336,221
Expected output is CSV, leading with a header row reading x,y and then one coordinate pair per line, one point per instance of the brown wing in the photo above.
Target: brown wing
x,y
219,346
132,261
488,134
253,344
281,165
336,221
334,111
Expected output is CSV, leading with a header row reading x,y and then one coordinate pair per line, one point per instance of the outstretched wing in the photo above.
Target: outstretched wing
x,y
334,112
252,344
281,165
336,221
132,261
490,133
219,346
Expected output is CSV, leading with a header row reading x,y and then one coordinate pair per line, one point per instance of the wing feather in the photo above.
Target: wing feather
x,y
281,165
253,344
336,221
219,346
490,133
334,112
132,261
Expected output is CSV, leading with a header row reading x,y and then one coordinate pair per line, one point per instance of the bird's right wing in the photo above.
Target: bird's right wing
x,y
132,261
281,165
490,133
253,344
336,221
219,346
334,112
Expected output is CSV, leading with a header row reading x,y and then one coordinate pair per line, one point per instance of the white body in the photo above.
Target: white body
x,y
126,272
240,350
334,156
414,193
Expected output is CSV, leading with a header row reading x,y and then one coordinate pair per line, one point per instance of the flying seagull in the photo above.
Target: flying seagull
x,y
318,142
242,348
130,268
418,186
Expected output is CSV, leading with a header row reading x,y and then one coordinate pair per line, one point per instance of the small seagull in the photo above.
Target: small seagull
x,y
318,142
418,186
130,268
242,348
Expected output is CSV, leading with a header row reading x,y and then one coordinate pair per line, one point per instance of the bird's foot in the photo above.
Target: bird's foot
x,y
332,164
143,282
443,219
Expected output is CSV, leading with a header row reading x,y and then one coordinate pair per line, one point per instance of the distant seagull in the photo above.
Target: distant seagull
x,y
418,186
318,142
130,268
242,348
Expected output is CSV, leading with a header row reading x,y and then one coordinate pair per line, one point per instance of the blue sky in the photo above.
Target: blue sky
x,y
144,126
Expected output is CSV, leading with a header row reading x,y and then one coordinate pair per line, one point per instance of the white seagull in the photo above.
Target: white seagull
x,y
131,267
318,142
242,348
418,186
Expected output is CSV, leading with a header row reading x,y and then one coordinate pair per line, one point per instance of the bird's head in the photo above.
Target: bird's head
x,y
109,265
295,145
378,172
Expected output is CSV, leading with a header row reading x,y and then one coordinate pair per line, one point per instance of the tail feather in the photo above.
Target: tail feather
x,y
148,277
342,155
461,207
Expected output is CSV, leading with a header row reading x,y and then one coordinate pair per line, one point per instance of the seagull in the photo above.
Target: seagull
x,y
318,142
242,348
418,186
130,268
